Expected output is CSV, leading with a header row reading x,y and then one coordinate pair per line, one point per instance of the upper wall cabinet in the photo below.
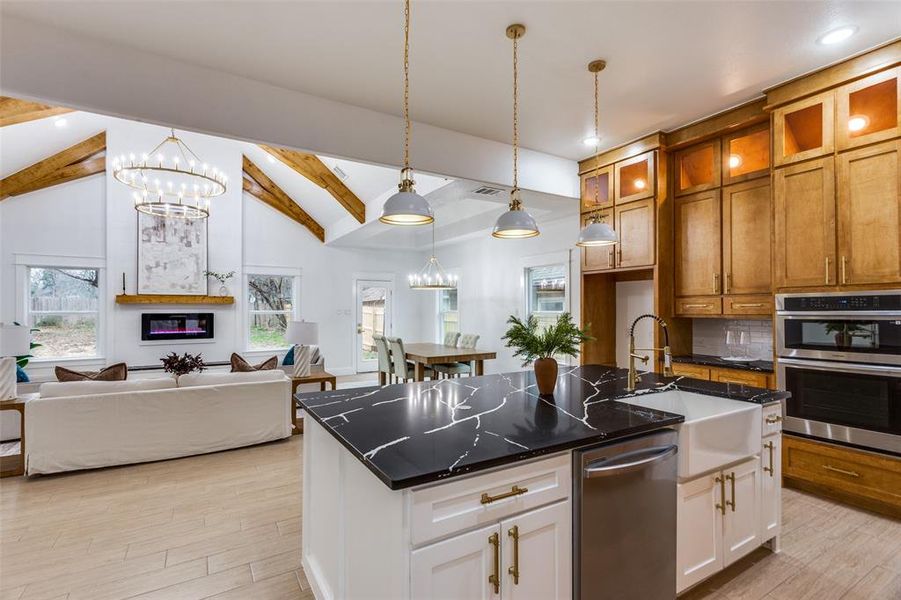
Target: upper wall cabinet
x,y
599,258
698,168
635,178
869,110
747,239
635,228
746,154
597,189
804,129
698,236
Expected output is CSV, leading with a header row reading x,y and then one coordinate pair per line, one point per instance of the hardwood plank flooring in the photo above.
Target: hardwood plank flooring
x,y
228,526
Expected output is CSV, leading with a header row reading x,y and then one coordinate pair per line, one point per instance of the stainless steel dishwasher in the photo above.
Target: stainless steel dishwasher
x,y
624,519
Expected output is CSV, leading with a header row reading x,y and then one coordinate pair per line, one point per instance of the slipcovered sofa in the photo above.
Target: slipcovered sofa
x,y
90,424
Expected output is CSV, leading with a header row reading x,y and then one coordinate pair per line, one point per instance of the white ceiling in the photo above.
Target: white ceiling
x,y
669,62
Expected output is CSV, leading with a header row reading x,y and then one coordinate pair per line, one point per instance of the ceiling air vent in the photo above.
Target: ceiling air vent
x,y
487,191
339,172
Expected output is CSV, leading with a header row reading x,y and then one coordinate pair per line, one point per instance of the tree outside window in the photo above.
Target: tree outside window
x,y
270,301
546,292
63,305
448,314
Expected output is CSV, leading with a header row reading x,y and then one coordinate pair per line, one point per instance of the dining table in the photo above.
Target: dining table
x,y
424,354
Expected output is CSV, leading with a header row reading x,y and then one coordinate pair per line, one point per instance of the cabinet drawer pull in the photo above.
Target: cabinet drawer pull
x,y
722,504
695,306
514,570
514,491
771,469
771,419
748,305
495,578
731,478
842,471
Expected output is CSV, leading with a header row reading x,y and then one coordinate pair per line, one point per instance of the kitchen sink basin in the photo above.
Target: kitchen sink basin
x,y
716,432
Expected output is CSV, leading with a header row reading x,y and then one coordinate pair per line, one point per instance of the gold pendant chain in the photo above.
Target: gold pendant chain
x,y
407,84
597,144
515,111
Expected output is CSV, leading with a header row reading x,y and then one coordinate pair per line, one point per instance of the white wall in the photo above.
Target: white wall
x,y
491,282
93,221
633,299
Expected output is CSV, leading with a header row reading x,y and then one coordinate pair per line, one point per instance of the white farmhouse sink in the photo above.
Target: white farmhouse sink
x,y
717,431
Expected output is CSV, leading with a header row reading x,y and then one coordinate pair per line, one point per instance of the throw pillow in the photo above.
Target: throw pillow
x,y
239,365
289,357
117,372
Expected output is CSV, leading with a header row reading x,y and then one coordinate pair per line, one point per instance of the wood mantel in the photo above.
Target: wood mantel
x,y
172,299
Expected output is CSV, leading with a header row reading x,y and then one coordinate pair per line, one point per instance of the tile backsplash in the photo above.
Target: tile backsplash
x,y
709,336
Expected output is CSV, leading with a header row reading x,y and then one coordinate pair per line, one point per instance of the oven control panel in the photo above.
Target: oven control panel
x,y
842,303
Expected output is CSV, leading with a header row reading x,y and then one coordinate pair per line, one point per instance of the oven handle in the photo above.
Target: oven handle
x,y
823,365
885,315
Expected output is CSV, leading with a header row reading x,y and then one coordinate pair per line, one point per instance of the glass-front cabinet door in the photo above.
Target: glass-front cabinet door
x,y
746,154
869,110
804,129
635,178
698,167
597,189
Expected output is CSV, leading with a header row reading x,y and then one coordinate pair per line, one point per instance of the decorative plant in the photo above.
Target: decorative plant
x,y
531,343
182,365
220,277
22,361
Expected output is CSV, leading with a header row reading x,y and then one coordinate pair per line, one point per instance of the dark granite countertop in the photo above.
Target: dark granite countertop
x,y
416,433
762,366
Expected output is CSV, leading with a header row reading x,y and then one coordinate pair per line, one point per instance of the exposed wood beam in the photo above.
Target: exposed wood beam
x,y
261,187
72,163
13,111
316,171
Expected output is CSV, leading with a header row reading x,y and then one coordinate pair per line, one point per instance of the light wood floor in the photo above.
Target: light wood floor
x,y
227,526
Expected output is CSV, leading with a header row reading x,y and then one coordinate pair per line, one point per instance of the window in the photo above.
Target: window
x,y
63,306
448,315
546,292
270,302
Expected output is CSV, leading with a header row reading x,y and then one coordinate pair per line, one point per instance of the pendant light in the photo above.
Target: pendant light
x,y
595,232
406,207
432,275
516,223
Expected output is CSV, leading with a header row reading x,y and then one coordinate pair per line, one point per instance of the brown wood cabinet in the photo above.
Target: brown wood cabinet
x,y
758,304
804,197
599,258
635,178
804,129
746,154
698,167
747,238
868,110
869,214
597,189
698,238
636,231
724,375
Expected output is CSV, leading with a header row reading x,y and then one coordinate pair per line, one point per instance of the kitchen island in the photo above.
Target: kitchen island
x,y
404,484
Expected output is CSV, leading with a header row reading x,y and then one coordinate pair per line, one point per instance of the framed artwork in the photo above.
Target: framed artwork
x,y
172,255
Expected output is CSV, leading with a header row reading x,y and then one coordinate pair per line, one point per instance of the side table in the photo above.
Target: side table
x,y
14,464
320,377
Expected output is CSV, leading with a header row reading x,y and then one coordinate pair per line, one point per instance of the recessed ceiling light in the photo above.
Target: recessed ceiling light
x,y
837,35
270,158
59,122
591,141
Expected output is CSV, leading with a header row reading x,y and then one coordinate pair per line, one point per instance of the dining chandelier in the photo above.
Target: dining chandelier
x,y
516,222
406,207
432,276
170,180
596,232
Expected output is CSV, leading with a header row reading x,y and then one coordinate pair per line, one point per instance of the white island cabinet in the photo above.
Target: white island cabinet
x,y
505,533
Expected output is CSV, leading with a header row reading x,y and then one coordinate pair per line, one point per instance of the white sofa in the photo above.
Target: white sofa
x,y
90,424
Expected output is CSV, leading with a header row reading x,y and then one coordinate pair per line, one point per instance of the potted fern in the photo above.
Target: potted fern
x,y
538,346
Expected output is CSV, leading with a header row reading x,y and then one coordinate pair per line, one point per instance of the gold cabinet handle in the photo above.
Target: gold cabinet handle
x,y
844,270
827,270
495,578
771,469
748,305
695,306
726,282
721,505
514,491
731,478
771,419
514,570
610,258
841,471
716,283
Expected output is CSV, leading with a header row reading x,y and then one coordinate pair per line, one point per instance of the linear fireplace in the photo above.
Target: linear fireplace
x,y
176,326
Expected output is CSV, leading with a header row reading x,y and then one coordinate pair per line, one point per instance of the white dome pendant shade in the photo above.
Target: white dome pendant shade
x,y
406,207
596,233
516,223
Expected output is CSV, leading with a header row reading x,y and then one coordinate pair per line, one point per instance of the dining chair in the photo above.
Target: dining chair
x,y
450,338
467,341
384,354
404,370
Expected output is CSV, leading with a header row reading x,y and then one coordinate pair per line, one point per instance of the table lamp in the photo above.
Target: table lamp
x,y
302,334
15,340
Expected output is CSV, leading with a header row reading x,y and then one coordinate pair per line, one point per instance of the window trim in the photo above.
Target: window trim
x,y
295,315
439,321
25,262
564,259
